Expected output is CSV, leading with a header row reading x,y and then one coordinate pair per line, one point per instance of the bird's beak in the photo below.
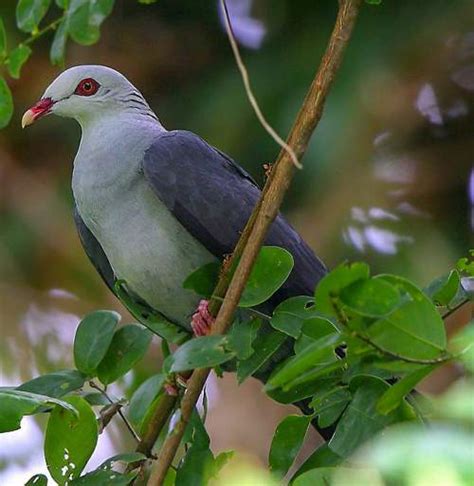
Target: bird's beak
x,y
43,107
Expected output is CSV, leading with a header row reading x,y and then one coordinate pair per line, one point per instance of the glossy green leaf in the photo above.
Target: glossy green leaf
x,y
85,19
129,345
321,457
413,330
271,269
58,46
448,289
204,279
241,336
318,354
372,298
70,440
143,398
329,403
93,338
6,103
299,392
16,59
3,40
360,420
56,384
265,345
14,404
393,397
290,315
201,352
29,13
37,480
313,329
103,477
287,442
332,284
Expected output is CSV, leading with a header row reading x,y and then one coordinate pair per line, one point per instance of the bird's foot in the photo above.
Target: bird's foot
x,y
202,319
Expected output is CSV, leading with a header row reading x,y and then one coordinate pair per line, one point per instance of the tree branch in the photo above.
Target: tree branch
x,y
262,217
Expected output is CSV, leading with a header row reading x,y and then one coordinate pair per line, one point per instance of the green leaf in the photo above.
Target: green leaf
x,y
316,355
6,103
29,14
125,458
289,316
201,352
143,398
321,457
320,476
271,269
370,298
3,40
448,289
37,480
93,338
393,397
287,442
360,420
413,330
265,345
56,384
129,345
85,18
242,335
219,462
203,280
14,404
299,392
16,59
103,477
331,285
329,403
58,46
70,440
313,329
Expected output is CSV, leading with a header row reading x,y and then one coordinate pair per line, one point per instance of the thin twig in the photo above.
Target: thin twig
x,y
455,308
45,30
248,89
262,217
122,416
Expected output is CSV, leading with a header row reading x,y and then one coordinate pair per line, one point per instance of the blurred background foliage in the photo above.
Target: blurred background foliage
x,y
388,177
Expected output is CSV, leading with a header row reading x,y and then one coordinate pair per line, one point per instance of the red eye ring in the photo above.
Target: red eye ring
x,y
87,87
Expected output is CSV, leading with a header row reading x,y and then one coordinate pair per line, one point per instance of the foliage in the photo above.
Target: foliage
x,y
350,341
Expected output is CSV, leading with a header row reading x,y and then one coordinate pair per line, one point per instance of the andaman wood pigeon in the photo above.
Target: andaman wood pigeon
x,y
152,205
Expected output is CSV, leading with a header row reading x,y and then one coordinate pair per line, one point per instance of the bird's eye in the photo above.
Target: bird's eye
x,y
87,87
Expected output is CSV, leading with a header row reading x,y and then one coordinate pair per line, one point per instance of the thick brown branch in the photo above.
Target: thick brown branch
x,y
263,215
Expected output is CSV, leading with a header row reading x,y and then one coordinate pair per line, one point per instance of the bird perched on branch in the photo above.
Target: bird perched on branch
x,y
152,205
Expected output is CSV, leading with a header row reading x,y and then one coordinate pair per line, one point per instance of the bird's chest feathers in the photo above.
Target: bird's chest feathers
x,y
144,243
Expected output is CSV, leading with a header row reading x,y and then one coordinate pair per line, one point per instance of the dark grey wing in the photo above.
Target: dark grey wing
x,y
212,197
94,251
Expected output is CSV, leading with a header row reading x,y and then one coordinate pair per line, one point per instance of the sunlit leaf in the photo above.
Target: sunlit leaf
x,y
56,384
286,443
271,269
16,59
6,103
332,284
14,404
201,352
313,477
93,338
392,398
70,440
29,13
128,346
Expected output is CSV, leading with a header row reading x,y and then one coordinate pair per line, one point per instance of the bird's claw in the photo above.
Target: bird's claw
x,y
202,320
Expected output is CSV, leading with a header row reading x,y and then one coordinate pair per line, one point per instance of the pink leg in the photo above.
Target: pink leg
x,y
202,319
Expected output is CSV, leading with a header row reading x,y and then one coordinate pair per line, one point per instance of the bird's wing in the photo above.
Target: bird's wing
x,y
212,197
151,318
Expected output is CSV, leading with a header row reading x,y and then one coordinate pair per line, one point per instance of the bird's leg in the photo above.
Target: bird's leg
x,y
202,319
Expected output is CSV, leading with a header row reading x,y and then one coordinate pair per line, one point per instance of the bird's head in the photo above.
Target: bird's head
x,y
85,92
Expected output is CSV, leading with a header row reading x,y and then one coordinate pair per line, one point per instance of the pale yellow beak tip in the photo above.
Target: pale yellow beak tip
x,y
27,119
